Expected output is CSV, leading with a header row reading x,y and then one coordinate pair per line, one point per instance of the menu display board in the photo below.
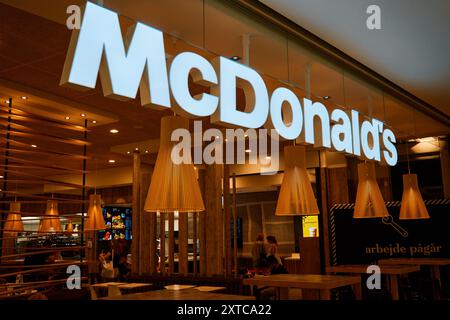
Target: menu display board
x,y
361,241
118,222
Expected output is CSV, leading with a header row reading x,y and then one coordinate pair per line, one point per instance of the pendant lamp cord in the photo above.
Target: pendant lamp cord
x,y
407,157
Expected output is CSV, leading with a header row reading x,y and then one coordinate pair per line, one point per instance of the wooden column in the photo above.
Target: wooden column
x,y
227,220
171,242
202,225
147,230
183,242
195,239
214,220
136,215
234,226
162,238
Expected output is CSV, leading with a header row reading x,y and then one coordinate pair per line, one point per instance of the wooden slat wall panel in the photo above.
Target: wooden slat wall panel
x,y
162,237
214,220
145,226
135,252
227,220
195,238
202,224
171,242
183,243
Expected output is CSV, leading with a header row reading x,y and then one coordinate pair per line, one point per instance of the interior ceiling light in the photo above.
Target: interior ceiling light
x,y
235,58
369,201
114,131
24,97
111,161
50,222
296,195
83,115
248,150
413,206
67,117
128,152
14,219
34,146
94,121
173,187
95,220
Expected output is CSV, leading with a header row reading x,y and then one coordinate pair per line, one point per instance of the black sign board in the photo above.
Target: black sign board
x,y
362,241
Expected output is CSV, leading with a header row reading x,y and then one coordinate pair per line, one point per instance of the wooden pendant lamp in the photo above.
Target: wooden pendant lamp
x,y
69,226
95,220
174,187
296,194
14,220
369,201
51,222
412,206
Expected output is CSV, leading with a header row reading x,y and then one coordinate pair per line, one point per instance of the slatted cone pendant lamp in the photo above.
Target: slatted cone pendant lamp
x,y
173,187
69,227
95,220
369,201
296,193
412,206
51,222
14,220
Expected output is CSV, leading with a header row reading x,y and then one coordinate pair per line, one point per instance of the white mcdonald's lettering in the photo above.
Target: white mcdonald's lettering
x,y
98,47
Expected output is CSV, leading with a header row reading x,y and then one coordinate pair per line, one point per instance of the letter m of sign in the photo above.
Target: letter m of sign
x,y
99,47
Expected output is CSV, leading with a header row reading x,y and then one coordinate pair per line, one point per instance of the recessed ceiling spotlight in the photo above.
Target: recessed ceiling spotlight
x,y
112,161
67,117
24,97
83,115
137,149
326,97
34,146
128,152
94,121
235,58
146,151
1,177
114,131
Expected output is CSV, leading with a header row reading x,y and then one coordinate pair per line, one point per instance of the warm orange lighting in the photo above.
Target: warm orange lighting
x,y
114,131
50,222
112,161
174,187
296,194
14,220
412,206
369,201
95,220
